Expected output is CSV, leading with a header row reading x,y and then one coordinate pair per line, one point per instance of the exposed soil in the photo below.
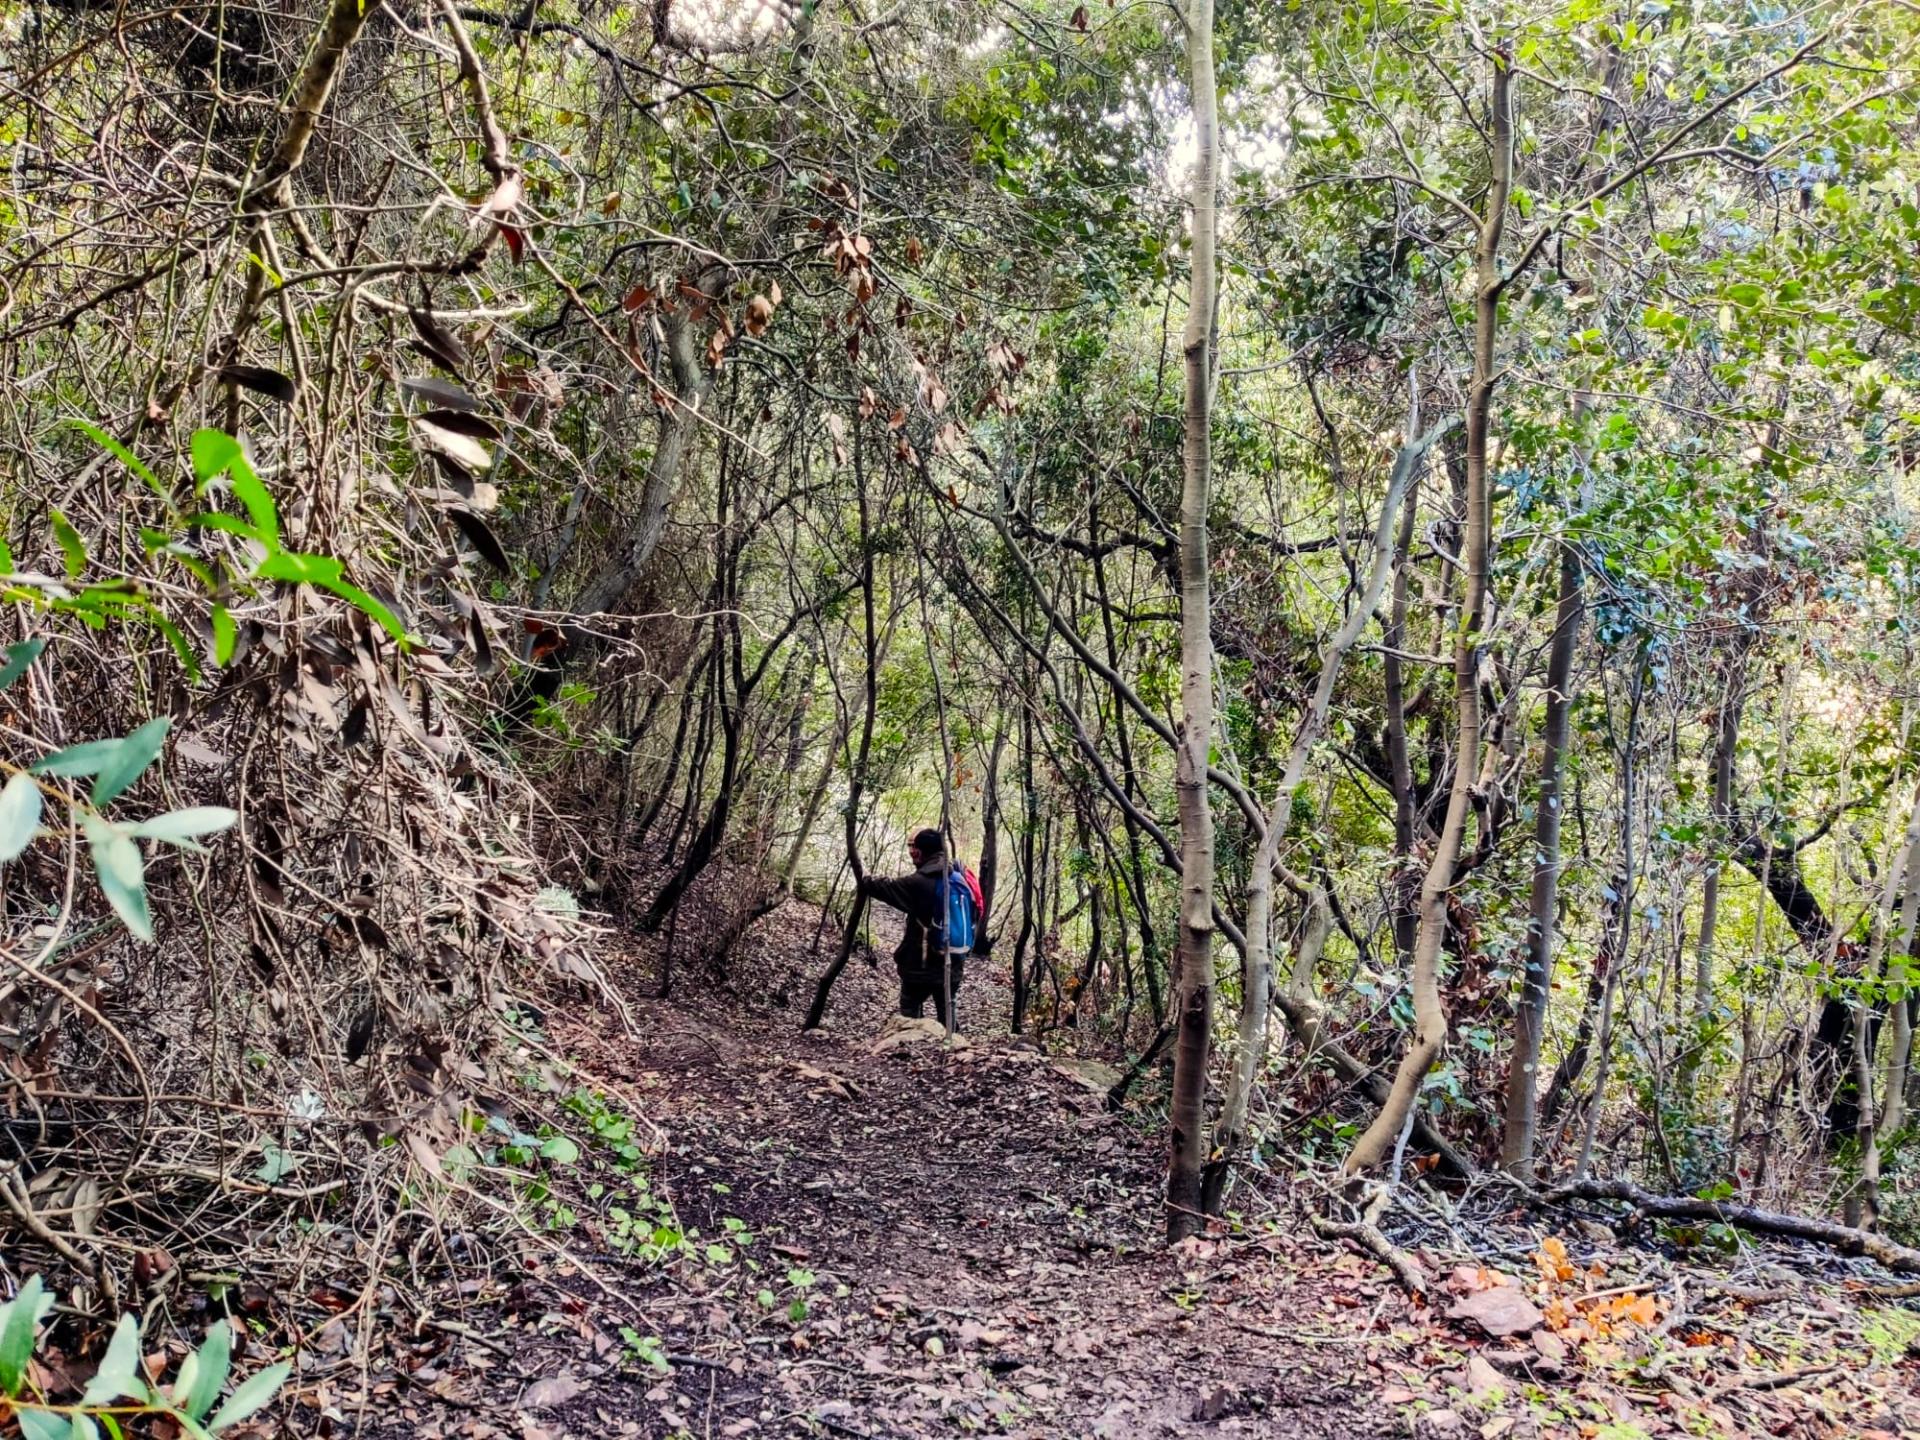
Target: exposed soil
x,y
984,1242
888,1237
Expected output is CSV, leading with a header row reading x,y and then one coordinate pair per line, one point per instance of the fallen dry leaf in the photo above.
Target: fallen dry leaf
x,y
554,1390
1500,1312
1482,1378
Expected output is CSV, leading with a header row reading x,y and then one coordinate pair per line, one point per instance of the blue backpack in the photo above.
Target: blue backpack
x,y
961,920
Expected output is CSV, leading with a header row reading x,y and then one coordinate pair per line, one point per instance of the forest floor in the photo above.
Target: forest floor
x,y
863,1233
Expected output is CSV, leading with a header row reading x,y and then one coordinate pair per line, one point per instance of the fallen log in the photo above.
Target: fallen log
x,y
1901,1259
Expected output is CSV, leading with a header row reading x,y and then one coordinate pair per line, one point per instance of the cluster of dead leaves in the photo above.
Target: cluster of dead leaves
x,y
851,254
1604,1315
1572,1306
759,315
756,319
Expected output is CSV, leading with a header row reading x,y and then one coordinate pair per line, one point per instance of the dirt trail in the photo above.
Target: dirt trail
x,y
895,1240
982,1241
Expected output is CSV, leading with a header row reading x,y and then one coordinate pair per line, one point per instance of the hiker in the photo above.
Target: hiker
x,y
941,917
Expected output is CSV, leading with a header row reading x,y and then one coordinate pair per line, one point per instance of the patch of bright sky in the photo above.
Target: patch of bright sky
x,y
1257,130
726,23
1256,137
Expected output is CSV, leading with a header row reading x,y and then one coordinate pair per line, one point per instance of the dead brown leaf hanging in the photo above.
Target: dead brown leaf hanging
x,y
438,343
481,538
483,661
459,423
460,448
443,394
260,378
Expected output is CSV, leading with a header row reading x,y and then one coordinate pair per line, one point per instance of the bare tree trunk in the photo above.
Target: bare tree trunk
x,y
678,749
1530,1020
1122,941
989,876
636,732
789,868
1129,777
1893,1105
712,829
702,751
1430,1016
1027,824
1622,919
1726,733
1194,999
1257,988
1778,872
1117,1094
857,775
1606,960
1306,1018
1399,762
1876,1132
692,381
810,814
1726,739
1054,883
731,696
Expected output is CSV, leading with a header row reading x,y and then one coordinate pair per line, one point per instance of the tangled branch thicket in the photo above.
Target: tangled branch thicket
x,y
281,225
462,283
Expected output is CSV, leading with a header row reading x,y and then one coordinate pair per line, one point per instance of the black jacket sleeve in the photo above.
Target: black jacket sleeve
x,y
897,893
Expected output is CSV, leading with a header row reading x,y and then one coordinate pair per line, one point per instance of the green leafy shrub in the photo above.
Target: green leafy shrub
x,y
113,766
120,1390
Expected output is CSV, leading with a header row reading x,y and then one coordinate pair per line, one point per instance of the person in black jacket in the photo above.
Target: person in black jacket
x,y
919,955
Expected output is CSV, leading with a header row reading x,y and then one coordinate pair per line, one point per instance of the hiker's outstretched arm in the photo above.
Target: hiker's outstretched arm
x,y
888,891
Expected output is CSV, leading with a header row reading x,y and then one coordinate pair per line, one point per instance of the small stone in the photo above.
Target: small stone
x,y
935,1346
1214,1406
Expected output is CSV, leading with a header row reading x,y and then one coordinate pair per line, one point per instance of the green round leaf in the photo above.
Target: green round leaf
x,y
560,1150
19,815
